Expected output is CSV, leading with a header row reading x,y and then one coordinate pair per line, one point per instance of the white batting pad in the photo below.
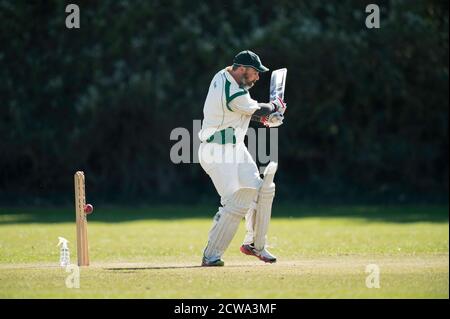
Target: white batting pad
x,y
264,206
269,173
250,226
226,222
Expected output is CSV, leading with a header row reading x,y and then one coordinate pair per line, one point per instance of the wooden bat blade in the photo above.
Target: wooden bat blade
x,y
277,84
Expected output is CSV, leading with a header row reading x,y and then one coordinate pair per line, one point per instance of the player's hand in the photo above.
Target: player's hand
x,y
279,105
273,120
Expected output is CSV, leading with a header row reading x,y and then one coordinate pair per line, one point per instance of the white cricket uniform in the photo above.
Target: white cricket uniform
x,y
227,112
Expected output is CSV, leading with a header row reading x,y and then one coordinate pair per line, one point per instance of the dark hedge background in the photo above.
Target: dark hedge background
x,y
368,108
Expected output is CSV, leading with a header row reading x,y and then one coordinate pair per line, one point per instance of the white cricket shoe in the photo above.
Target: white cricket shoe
x,y
263,255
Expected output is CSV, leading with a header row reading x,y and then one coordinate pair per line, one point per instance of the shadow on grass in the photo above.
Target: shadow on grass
x,y
133,269
394,214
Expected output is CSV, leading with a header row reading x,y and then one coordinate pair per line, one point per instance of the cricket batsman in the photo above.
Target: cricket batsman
x,y
227,111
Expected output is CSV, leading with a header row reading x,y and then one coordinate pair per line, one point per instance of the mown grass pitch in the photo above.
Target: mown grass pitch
x,y
155,253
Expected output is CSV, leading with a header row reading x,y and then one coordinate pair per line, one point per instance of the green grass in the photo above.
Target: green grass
x,y
155,253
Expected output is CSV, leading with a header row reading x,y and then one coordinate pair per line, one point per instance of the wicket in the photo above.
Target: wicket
x,y
80,203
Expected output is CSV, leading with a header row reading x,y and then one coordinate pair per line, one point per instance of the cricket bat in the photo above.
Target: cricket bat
x,y
277,84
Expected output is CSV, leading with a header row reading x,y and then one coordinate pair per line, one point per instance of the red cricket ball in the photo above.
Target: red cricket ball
x,y
88,208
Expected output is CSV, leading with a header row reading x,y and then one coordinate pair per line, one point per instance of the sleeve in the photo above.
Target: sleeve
x,y
243,104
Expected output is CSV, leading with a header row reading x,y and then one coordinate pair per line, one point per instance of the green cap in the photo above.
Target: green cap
x,y
251,59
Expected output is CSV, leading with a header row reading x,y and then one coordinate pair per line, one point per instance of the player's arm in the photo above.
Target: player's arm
x,y
268,108
270,114
242,103
264,109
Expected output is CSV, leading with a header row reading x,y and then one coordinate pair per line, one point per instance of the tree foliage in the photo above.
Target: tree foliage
x,y
368,108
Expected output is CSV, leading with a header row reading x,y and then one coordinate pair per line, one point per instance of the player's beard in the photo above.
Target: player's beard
x,y
245,83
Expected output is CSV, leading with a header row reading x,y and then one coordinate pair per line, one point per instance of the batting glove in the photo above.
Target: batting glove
x,y
273,120
279,105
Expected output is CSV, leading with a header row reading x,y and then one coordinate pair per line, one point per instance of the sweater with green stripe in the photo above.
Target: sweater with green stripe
x,y
227,105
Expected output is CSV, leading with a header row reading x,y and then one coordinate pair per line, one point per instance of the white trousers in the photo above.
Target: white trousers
x,y
230,168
